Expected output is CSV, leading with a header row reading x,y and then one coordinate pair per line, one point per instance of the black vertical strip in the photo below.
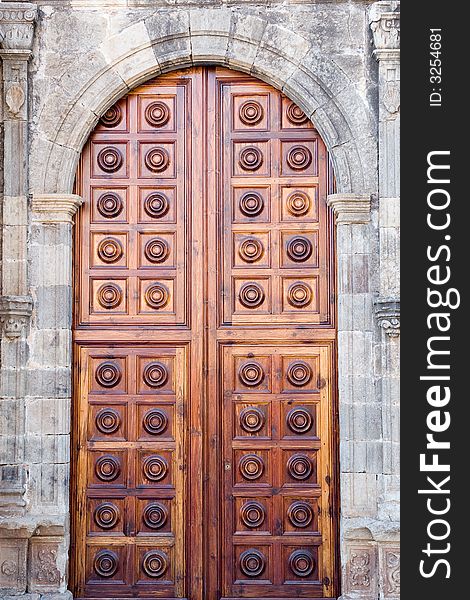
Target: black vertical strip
x,y
428,127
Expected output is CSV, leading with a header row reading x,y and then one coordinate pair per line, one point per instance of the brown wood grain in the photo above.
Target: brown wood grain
x,y
204,414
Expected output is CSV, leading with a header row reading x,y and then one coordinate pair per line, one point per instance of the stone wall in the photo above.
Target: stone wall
x,y
64,63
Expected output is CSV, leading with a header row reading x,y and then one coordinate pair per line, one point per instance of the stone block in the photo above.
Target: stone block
x,y
13,565
389,213
53,308
125,42
210,29
43,573
173,52
49,383
361,571
359,494
167,25
45,449
246,33
50,348
63,596
47,415
49,488
51,265
389,570
15,210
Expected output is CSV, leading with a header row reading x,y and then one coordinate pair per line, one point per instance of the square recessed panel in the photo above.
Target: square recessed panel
x,y
299,249
252,420
299,468
157,250
156,296
252,468
298,420
155,375
153,516
300,295
253,564
299,563
157,160
252,373
154,468
157,204
107,422
109,205
253,515
154,565
252,296
108,250
251,249
299,158
251,204
300,374
106,516
300,515
115,119
101,558
251,112
107,468
155,422
108,296
300,203
156,112
110,159
107,375
251,159
293,117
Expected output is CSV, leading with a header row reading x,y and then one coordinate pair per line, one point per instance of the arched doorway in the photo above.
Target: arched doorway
x,y
204,337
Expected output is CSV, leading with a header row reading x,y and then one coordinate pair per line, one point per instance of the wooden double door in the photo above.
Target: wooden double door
x,y
204,348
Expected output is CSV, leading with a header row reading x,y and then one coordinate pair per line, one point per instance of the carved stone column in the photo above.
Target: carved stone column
x,y
16,35
385,25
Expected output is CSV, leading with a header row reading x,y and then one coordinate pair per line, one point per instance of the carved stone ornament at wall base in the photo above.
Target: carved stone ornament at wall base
x,y
392,572
15,313
388,316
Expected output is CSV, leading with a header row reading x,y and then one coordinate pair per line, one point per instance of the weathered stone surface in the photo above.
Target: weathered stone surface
x,y
86,55
13,565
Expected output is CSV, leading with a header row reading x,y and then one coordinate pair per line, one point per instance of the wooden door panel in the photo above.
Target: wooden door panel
x,y
131,457
204,411
137,175
274,476
275,235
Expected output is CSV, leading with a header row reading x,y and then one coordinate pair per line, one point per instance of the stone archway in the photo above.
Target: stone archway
x,y
135,55
270,52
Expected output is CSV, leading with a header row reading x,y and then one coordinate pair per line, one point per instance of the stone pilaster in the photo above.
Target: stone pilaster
x,y
49,374
16,35
385,25
360,415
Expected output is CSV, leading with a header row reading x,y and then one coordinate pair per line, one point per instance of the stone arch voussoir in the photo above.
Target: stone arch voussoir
x,y
201,36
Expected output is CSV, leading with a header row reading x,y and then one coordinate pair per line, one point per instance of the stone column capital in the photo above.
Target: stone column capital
x,y
15,312
55,208
385,25
387,312
17,27
350,209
